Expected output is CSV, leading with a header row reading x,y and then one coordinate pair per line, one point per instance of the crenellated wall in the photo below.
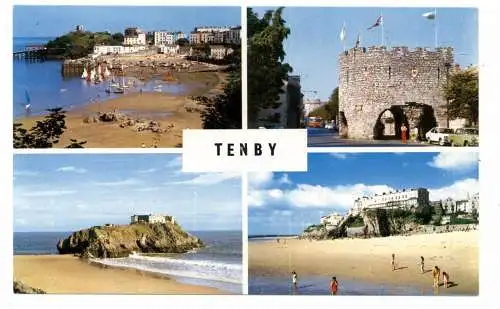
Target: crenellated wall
x,y
374,79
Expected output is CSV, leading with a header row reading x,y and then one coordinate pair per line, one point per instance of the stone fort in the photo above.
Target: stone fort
x,y
380,89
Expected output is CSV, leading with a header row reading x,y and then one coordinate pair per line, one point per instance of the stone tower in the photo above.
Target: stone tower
x,y
381,89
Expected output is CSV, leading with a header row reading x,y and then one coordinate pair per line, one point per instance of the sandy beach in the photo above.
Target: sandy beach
x,y
369,260
167,109
67,274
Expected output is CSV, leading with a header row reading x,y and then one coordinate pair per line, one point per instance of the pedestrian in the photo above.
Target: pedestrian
x,y
393,262
404,129
446,279
334,285
436,272
422,264
294,279
140,91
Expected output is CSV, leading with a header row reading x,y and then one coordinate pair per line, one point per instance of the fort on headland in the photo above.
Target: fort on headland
x,y
151,218
381,89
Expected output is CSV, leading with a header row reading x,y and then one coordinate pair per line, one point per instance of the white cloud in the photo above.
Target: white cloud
x,y
339,155
305,195
283,213
285,180
48,193
455,161
260,179
209,179
174,163
71,169
457,190
119,183
148,171
25,173
147,189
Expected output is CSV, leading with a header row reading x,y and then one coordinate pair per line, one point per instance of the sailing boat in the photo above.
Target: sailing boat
x,y
84,74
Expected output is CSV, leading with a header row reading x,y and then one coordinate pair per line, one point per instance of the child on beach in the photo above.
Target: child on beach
x,y
393,262
294,279
334,285
446,279
436,272
422,264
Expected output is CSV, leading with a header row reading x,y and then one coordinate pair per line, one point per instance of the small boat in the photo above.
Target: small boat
x,y
118,90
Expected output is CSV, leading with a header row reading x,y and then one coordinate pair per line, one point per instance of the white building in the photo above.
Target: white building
x,y
288,113
212,29
468,205
134,36
170,49
220,52
331,220
117,49
233,35
409,199
167,37
151,218
310,105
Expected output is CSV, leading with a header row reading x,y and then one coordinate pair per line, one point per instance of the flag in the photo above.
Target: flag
x,y
380,21
343,33
358,41
429,15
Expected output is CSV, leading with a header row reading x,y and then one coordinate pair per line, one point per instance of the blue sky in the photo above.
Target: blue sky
x,y
283,203
50,21
71,192
314,44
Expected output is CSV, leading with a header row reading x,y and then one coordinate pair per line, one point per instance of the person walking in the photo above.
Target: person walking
x,y
422,264
393,262
334,286
446,279
294,279
404,130
436,272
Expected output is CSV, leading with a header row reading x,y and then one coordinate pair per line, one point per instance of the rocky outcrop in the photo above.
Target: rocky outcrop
x,y
120,241
382,222
21,288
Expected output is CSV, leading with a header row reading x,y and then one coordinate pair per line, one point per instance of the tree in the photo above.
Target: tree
x,y
118,37
462,94
266,70
224,110
45,133
182,42
330,110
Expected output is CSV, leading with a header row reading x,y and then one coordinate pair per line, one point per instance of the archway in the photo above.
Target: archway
x,y
389,122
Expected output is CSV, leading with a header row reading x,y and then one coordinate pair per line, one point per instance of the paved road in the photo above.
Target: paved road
x,y
319,137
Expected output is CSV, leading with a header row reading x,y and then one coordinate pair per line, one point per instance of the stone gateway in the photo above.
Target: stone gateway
x,y
380,90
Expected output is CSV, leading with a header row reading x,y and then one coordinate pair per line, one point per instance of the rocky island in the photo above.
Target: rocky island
x,y
113,241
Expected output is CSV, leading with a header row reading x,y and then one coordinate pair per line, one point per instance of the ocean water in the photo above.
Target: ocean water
x,y
320,285
42,84
217,265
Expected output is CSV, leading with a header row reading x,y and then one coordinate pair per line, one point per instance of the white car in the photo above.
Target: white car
x,y
439,135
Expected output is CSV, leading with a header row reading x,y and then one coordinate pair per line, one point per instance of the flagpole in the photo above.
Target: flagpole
x,y
382,27
435,29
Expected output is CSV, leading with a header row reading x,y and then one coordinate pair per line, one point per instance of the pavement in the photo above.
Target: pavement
x,y
320,137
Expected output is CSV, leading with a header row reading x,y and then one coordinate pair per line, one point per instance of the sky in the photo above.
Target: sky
x,y
314,44
51,21
286,203
72,192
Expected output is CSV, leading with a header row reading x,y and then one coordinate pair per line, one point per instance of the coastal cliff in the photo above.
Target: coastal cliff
x,y
120,241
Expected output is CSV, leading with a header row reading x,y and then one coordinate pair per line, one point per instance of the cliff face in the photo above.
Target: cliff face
x,y
384,223
120,241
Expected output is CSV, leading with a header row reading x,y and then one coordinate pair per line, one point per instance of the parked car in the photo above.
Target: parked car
x,y
439,135
465,137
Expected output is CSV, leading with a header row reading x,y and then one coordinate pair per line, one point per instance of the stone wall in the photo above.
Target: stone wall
x,y
373,80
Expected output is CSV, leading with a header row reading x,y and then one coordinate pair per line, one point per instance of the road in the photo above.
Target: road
x,y
320,137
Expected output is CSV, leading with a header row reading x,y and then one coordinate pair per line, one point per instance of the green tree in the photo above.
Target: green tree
x,y
224,110
330,110
266,70
45,133
462,95
183,42
118,37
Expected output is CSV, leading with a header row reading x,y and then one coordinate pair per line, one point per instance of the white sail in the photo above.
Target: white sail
x,y
85,74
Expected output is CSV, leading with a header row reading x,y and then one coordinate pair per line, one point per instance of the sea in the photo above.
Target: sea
x,y
218,265
41,84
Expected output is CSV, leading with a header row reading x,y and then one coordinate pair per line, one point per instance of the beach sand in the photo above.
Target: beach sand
x,y
369,260
67,274
162,107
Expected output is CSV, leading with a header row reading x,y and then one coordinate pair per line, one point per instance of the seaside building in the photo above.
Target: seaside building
x,y
215,35
468,205
219,51
79,28
331,221
288,114
233,36
163,37
151,218
169,49
117,49
134,36
408,199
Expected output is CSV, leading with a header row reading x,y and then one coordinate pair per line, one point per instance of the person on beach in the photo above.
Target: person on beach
x,y
393,262
334,285
422,264
436,272
294,279
403,133
446,279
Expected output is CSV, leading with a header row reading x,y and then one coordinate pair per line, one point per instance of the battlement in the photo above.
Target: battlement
x,y
397,51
